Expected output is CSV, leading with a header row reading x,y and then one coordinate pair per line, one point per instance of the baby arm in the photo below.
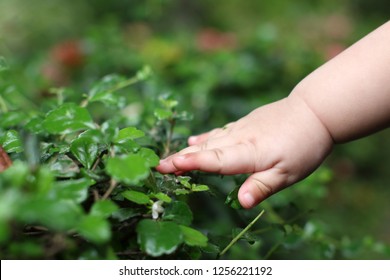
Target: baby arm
x,y
283,142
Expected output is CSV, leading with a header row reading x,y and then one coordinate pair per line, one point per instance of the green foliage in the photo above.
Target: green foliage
x,y
82,184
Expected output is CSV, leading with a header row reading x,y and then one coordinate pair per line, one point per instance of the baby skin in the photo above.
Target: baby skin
x,y
283,142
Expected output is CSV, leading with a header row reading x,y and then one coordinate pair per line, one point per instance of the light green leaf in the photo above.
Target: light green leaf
x,y
103,208
128,133
199,188
85,150
136,197
157,238
150,156
162,114
95,229
163,197
13,118
11,142
193,237
178,212
67,118
129,169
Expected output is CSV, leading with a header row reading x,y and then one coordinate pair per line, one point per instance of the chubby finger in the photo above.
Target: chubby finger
x,y
261,185
233,159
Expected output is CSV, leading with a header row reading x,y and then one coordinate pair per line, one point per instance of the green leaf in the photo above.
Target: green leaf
x,y
136,197
76,190
64,166
157,238
104,91
150,156
44,180
163,197
4,232
95,229
67,118
128,133
178,212
193,237
232,199
3,64
181,192
103,208
162,114
13,118
199,188
85,150
123,214
184,181
11,142
55,214
17,174
129,169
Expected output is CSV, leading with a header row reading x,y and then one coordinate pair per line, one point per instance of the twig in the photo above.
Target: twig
x,y
242,233
113,184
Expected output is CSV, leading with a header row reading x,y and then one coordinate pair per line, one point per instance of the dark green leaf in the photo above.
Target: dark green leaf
x,y
95,229
157,238
193,237
123,214
76,190
178,212
64,166
85,150
129,169
232,199
103,208
54,214
11,142
67,118
104,90
136,197
128,133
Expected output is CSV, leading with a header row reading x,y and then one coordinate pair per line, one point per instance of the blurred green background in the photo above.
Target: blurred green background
x,y
223,59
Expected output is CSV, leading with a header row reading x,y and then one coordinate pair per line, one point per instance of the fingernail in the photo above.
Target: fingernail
x,y
248,200
192,139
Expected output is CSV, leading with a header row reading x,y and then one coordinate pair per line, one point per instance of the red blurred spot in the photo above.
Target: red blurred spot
x,y
213,40
69,54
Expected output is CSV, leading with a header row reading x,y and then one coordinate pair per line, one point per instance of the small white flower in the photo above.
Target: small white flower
x,y
157,209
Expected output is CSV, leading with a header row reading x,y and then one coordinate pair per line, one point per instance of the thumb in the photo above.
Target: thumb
x,y
261,185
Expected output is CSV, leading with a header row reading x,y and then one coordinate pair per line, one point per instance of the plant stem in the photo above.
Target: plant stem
x,y
242,233
113,184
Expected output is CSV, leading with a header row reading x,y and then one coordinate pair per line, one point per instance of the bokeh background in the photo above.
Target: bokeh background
x,y
223,59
